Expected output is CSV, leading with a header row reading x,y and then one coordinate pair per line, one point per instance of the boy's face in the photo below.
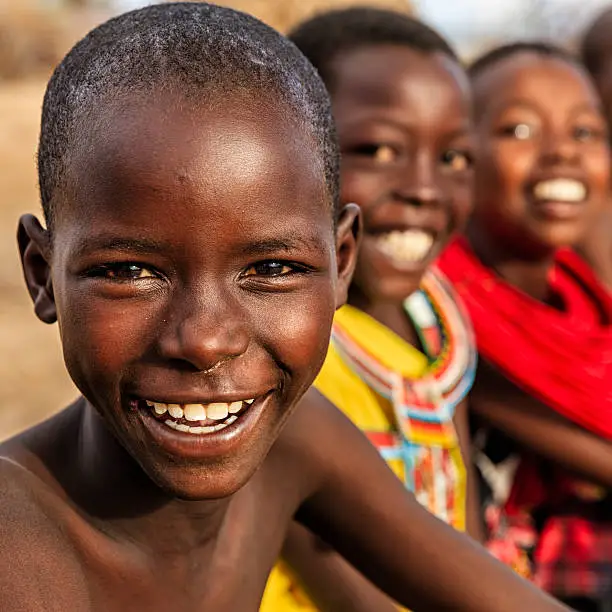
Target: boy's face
x,y
403,120
194,266
543,163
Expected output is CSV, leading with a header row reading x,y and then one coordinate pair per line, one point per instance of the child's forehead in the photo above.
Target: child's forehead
x,y
528,76
236,138
174,150
382,70
413,85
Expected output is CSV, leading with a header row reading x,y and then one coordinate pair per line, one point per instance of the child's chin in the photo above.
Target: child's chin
x,y
200,483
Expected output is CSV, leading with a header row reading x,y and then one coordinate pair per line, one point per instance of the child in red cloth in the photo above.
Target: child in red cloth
x,y
542,318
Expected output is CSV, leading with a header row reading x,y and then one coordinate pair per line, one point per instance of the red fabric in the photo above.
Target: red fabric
x,y
563,358
574,558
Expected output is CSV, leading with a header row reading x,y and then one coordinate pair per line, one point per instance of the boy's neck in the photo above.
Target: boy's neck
x,y
122,501
529,274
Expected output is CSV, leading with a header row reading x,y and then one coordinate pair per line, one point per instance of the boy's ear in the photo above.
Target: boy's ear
x,y
35,250
348,237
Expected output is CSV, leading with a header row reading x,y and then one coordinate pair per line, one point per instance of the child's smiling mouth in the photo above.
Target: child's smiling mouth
x,y
198,418
408,246
558,198
207,429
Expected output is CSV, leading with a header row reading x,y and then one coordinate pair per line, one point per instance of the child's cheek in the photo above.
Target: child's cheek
x,y
361,187
597,164
103,339
296,328
504,171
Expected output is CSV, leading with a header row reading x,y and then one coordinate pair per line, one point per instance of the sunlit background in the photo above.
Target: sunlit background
x,y
35,34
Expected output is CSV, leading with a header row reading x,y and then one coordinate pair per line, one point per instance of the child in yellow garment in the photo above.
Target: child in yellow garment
x,y
402,356
403,399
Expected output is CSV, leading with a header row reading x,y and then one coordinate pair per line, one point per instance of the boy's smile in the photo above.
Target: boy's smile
x,y
195,279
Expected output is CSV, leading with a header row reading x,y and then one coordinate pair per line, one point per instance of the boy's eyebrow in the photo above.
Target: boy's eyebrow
x,y
117,243
146,245
285,243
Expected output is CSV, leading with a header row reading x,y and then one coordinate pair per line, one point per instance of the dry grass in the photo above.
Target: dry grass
x,y
35,37
33,382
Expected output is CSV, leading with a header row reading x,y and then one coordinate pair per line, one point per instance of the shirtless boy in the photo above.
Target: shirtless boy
x,y
193,257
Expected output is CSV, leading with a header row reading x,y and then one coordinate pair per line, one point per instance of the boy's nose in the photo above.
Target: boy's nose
x,y
418,184
559,149
205,335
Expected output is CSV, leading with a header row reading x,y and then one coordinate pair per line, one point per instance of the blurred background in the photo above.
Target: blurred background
x,y
35,34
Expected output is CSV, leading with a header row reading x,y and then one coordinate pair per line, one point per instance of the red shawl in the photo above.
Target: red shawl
x,y
563,358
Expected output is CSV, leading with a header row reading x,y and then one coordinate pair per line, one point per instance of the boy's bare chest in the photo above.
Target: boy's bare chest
x,y
226,574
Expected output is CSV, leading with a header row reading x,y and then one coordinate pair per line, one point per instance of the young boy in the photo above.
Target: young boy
x,y
402,357
543,321
193,257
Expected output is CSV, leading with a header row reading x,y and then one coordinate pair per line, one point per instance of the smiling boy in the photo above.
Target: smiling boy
x,y
194,256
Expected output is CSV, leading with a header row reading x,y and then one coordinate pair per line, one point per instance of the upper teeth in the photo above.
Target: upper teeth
x,y
560,190
216,411
405,246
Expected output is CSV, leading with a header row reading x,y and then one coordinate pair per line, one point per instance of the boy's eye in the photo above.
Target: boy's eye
x,y
583,133
457,160
379,153
519,131
121,272
269,268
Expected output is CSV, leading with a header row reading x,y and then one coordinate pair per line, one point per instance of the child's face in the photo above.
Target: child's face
x,y
543,162
403,121
194,263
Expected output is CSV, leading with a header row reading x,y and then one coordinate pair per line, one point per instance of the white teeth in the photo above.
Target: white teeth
x,y
560,190
408,246
217,411
160,408
176,412
196,430
194,412
234,407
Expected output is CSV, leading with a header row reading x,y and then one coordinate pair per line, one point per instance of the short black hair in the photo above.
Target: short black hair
x,y
595,43
189,48
325,36
544,49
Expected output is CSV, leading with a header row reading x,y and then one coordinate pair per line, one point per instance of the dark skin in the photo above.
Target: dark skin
x,y
178,287
538,118
404,125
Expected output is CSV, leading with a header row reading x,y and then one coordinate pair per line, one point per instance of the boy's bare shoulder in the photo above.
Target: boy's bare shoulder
x,y
38,566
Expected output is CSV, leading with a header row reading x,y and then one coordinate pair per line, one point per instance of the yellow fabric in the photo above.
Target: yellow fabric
x,y
367,409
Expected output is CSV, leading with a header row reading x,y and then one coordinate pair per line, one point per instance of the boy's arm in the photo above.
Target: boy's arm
x,y
360,507
336,586
333,584
501,404
473,521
